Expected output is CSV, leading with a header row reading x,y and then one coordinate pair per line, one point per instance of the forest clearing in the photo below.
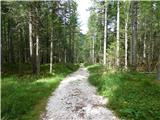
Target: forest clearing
x,y
80,60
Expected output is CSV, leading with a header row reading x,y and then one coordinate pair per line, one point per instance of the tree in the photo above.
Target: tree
x,y
51,51
118,22
133,43
127,5
34,36
105,33
158,69
93,48
32,29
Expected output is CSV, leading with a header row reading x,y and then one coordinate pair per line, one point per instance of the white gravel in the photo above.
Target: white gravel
x,y
76,99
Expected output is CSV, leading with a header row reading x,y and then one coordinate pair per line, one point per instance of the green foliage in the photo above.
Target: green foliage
x,y
60,15
132,95
24,96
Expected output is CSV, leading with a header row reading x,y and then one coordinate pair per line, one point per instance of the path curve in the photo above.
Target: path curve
x,y
76,99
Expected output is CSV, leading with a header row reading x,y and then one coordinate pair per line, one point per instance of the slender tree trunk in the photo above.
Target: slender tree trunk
x,y
6,38
30,36
158,68
10,42
144,48
59,53
22,44
118,21
133,59
158,72
150,48
73,45
37,54
65,56
31,47
47,42
19,50
90,52
51,51
25,45
70,37
126,37
126,42
34,38
37,41
105,34
93,53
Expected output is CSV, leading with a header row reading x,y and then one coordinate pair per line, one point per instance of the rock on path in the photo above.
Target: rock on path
x,y
76,99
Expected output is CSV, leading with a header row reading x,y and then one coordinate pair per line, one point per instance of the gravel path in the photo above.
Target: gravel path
x,y
76,99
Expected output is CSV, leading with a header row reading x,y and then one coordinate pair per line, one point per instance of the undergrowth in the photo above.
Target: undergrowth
x,y
24,95
132,95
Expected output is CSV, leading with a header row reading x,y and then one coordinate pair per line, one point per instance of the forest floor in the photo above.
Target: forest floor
x,y
24,95
131,95
76,99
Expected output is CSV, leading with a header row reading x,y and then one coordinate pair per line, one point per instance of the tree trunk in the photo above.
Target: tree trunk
x,y
126,36
105,34
126,42
144,48
158,71
31,47
65,55
37,54
19,51
51,51
118,21
73,47
10,42
133,59
34,38
93,56
30,35
37,41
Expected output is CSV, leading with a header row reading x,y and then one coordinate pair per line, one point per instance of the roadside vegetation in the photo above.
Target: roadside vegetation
x,y
132,95
25,95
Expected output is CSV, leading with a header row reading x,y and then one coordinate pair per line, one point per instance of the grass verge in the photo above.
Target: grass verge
x,y
24,96
132,95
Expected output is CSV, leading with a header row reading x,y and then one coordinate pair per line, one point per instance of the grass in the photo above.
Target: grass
x,y
132,95
24,96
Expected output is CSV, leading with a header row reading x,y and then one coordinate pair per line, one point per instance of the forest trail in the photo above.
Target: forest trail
x,y
76,99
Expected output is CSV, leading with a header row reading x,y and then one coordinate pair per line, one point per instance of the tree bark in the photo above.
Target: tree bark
x,y
158,71
31,42
51,51
10,42
30,35
126,36
118,21
37,41
133,58
37,54
105,34
93,53
144,48
34,38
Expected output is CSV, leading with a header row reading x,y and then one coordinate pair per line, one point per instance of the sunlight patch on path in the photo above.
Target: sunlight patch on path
x,y
76,99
